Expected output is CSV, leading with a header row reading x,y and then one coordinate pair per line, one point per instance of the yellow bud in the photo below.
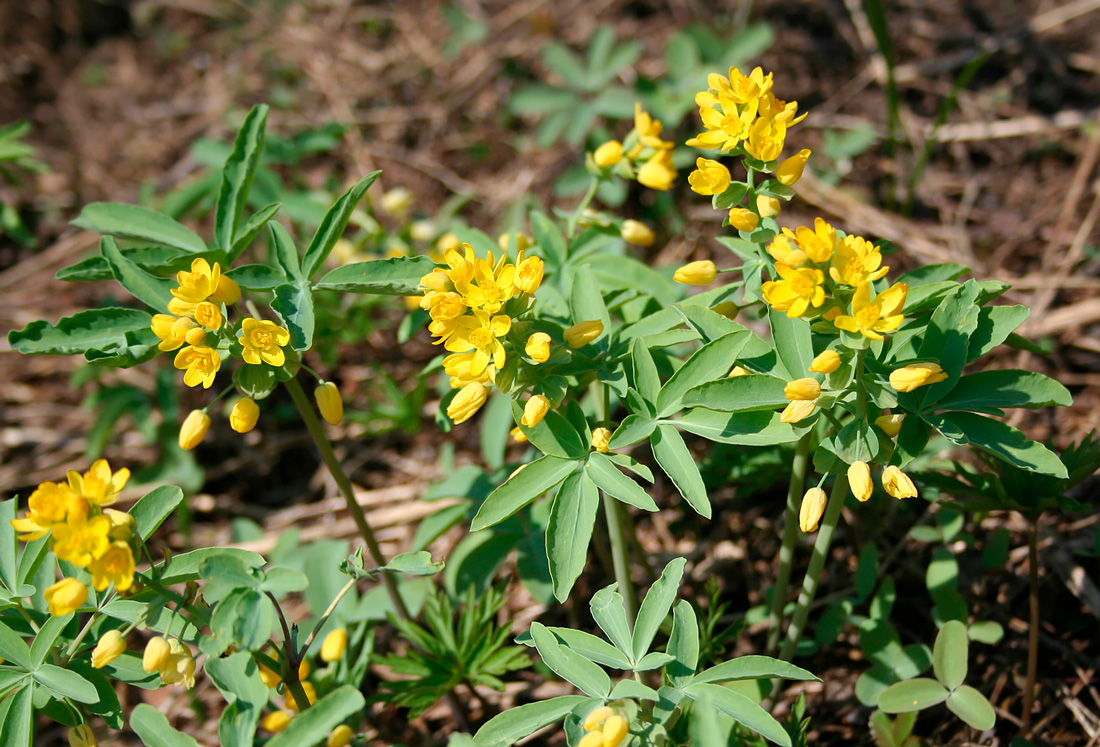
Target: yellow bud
x,y
304,668
601,439
702,272
397,201
109,648
81,736
421,230
826,362
813,505
637,233
157,654
448,242
596,718
807,389
534,411
228,292
244,415
341,736
310,693
65,596
609,154
767,206
591,739
518,435
859,480
523,242
193,430
744,219
329,402
195,336
790,169
738,371
467,402
529,275
538,347
582,333
276,721
615,730
334,646
727,309
915,375
122,524
269,676
897,483
890,424
798,410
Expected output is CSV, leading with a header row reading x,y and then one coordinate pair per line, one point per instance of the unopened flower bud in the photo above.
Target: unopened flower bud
x,y
81,736
518,435
538,347
582,333
467,402
859,480
601,439
813,505
341,736
806,389
335,644
244,415
329,402
193,430
768,206
157,654
702,272
65,596
535,410
615,730
790,169
744,219
826,362
916,375
109,648
890,424
609,154
276,721
637,233
897,483
727,309
797,410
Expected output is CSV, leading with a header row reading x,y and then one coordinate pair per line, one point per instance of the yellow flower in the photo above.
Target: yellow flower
x,y
243,416
98,484
479,333
739,87
797,410
80,539
460,366
609,154
601,439
200,364
108,648
826,362
890,424
790,169
802,389
172,331
709,178
615,730
779,110
276,721
813,505
595,719
817,243
269,676
81,736
329,402
538,347
529,274
263,342
122,524
48,504
310,693
856,261
336,642
534,411
114,566
397,201
637,233
796,291
897,483
193,430
743,219
872,318
727,121
179,667
203,282
702,272
591,739
157,654
467,402
658,172
341,736
518,435
859,480
304,669
65,596
782,250
738,371
768,206
916,375
582,333
648,130
766,138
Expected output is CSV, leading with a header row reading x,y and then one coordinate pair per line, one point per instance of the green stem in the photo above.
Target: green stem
x,y
80,636
324,618
813,572
575,217
790,537
1033,629
317,431
618,554
291,678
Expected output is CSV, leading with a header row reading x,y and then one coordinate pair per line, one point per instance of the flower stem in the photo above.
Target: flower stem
x,y
813,572
1033,629
317,431
613,513
790,537
575,217
324,617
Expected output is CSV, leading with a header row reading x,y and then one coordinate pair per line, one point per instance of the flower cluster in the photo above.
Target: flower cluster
x,y
171,659
604,727
642,155
84,532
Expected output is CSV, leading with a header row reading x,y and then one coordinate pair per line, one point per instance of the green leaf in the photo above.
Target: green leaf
x,y
312,725
17,717
949,655
14,649
158,260
912,695
154,507
247,233
646,381
65,683
554,435
739,394
586,303
256,277
153,729
398,276
754,668
585,675
294,303
857,442
281,580
609,613
948,339
1005,388
972,707
46,637
587,645
572,517
244,618
417,563
514,724
549,237
149,289
185,566
286,252
709,362
995,324
792,342
742,710
333,225
101,329
8,565
683,644
524,486
237,176
633,429
609,479
672,454
656,605
143,224
238,678
999,439
745,428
